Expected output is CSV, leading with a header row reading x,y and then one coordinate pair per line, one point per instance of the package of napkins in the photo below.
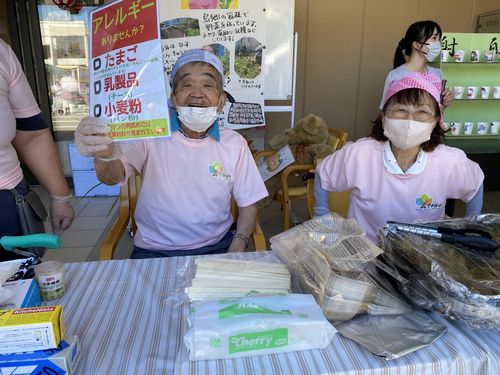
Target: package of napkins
x,y
256,325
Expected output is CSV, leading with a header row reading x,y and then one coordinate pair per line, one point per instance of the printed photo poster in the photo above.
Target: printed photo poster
x,y
125,63
235,31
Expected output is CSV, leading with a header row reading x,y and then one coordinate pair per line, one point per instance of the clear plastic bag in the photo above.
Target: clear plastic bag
x,y
459,282
331,258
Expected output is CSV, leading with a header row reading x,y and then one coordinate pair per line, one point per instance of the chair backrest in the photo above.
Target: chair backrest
x,y
337,138
338,201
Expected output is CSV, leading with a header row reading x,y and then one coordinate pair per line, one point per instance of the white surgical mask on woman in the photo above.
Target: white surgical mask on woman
x,y
406,134
434,51
197,119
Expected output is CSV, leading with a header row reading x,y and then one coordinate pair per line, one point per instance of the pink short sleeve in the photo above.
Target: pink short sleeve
x,y
21,99
333,170
248,186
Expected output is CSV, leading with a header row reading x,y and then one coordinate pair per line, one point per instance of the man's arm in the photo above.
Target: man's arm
x,y
244,228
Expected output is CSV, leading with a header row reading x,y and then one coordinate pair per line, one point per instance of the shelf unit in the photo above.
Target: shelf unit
x,y
467,73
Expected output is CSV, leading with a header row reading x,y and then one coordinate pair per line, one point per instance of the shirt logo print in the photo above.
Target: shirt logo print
x,y
216,170
424,202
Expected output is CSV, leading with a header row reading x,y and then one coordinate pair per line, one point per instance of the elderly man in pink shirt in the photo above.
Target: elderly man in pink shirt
x,y
188,181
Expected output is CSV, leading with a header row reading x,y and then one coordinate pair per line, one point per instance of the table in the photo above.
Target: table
x,y
128,316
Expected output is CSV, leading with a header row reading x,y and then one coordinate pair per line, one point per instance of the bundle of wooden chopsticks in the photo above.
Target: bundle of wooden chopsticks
x,y
227,278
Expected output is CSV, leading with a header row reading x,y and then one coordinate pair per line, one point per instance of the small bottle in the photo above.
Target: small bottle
x,y
50,278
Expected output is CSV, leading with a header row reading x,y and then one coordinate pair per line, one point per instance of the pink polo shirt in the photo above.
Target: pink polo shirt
x,y
378,195
16,101
187,185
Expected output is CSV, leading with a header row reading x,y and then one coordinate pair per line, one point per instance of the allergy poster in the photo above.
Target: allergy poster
x,y
127,88
235,31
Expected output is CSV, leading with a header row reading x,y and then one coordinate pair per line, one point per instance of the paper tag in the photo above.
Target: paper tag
x,y
274,164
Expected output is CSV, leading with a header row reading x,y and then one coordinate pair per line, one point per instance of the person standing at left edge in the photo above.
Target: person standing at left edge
x,y
25,133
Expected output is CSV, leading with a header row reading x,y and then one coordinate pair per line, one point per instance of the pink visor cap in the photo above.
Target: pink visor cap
x,y
417,80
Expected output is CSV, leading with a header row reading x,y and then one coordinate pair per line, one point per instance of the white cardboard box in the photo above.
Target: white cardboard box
x,y
23,293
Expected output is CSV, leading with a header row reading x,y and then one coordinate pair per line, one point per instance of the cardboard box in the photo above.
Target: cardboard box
x,y
62,360
34,328
79,162
86,184
24,293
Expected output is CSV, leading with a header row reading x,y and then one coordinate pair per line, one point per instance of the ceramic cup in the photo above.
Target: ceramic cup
x,y
496,92
445,55
458,56
475,55
468,127
446,125
494,127
489,55
485,92
458,92
472,92
482,127
456,128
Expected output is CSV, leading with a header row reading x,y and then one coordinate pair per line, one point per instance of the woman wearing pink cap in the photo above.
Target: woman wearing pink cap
x,y
403,171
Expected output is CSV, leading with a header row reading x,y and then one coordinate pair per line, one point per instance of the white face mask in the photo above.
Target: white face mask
x,y
406,134
434,51
197,119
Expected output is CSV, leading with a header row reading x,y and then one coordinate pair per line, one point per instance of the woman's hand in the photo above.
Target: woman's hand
x,y
61,213
447,98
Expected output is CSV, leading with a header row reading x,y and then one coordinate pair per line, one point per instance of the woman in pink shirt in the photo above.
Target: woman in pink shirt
x,y
403,171
25,133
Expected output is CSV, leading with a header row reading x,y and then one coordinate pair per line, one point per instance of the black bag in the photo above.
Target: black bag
x,y
31,214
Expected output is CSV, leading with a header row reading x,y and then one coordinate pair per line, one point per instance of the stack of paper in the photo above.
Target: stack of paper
x,y
226,278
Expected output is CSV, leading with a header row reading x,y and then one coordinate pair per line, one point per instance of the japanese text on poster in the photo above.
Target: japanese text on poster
x,y
235,31
125,63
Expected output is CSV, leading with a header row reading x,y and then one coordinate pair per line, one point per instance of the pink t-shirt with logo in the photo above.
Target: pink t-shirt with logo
x,y
187,185
16,101
378,196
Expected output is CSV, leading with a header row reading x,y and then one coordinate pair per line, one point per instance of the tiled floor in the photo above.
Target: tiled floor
x,y
95,215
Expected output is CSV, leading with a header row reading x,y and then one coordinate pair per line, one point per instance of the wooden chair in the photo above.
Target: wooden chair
x,y
286,194
338,202
129,194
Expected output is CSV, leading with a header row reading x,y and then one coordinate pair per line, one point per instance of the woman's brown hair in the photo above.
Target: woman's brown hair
x,y
413,96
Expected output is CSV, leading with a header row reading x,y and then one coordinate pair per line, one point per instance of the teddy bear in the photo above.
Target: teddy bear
x,y
308,141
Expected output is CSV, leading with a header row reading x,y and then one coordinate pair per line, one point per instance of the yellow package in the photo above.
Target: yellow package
x,y
35,328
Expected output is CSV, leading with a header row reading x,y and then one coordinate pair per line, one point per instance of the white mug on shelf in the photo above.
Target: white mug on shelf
x,y
485,92
475,55
489,55
458,92
445,55
482,127
456,128
494,127
472,92
468,127
458,56
496,92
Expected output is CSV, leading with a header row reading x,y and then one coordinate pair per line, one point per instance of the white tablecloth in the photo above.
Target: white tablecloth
x,y
128,316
